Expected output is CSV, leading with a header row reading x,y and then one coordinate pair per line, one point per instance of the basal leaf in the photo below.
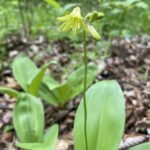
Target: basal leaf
x,y
50,82
48,95
50,139
76,79
144,146
9,91
105,117
23,69
62,93
28,119
35,82
58,94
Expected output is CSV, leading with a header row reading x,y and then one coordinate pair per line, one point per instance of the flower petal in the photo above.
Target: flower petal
x,y
64,18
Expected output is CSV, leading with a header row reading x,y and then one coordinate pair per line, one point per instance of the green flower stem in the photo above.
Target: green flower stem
x,y
84,91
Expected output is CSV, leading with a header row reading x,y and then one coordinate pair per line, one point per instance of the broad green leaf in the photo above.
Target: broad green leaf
x,y
54,3
23,69
9,91
50,139
105,117
56,96
35,82
28,118
76,79
144,146
50,82
48,95
61,93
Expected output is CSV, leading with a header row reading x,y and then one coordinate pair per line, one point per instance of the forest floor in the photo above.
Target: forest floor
x,y
128,63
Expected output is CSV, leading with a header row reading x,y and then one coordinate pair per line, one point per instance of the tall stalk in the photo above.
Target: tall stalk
x,y
77,23
84,91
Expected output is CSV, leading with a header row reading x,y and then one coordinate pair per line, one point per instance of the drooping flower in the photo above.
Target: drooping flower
x,y
74,21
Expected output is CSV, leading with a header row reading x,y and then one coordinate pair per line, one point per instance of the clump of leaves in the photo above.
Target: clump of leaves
x,y
34,81
28,121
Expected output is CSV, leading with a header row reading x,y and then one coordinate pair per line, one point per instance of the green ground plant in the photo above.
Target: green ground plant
x,y
36,82
100,117
29,123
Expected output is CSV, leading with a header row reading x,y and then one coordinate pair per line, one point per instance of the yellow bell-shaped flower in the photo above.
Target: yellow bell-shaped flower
x,y
74,21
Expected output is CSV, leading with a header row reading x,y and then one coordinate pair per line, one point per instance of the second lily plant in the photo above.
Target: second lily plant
x,y
75,22
100,118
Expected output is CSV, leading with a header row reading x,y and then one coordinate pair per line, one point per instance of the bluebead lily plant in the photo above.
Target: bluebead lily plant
x,y
74,21
100,117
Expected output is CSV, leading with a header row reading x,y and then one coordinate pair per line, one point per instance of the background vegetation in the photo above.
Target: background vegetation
x,y
32,18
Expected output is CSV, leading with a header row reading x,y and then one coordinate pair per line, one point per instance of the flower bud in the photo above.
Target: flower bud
x,y
93,32
94,16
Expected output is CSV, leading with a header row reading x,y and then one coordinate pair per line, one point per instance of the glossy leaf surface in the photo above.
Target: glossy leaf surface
x,y
105,117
